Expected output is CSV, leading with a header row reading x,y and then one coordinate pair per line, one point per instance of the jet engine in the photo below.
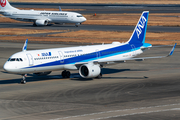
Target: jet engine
x,y
41,22
42,73
89,70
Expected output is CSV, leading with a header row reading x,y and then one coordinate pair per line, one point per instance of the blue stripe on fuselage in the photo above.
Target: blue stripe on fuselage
x,y
93,56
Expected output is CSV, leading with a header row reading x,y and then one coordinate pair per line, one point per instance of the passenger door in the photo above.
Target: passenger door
x,y
97,53
134,50
61,57
30,58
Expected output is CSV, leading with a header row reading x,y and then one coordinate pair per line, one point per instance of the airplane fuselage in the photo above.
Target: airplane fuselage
x,y
40,18
50,16
87,59
66,58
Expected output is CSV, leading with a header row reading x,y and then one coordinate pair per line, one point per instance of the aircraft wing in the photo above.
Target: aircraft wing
x,y
113,61
143,58
28,18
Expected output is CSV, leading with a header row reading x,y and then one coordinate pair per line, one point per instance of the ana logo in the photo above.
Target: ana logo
x,y
46,54
140,26
3,3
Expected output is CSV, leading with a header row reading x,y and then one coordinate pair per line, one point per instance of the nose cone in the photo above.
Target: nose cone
x,y
84,19
6,67
9,67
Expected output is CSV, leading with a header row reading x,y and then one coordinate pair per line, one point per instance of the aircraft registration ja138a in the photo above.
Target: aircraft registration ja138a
x,y
87,59
40,18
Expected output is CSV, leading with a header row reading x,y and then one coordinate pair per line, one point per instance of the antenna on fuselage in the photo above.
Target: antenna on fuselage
x,y
25,45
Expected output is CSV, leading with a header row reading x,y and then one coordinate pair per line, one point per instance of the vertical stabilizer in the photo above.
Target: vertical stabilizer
x,y
60,8
4,5
139,32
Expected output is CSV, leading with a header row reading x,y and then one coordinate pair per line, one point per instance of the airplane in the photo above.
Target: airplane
x,y
40,18
87,59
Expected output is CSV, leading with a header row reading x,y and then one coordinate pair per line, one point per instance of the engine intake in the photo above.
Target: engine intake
x,y
89,70
41,22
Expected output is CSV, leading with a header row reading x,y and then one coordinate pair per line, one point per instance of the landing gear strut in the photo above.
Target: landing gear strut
x,y
65,74
99,76
77,24
34,24
23,81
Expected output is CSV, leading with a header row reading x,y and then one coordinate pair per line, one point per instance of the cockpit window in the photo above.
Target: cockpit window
x,y
12,59
79,16
20,59
15,59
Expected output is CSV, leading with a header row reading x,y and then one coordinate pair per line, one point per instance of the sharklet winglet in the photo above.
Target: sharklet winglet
x,y
171,52
25,45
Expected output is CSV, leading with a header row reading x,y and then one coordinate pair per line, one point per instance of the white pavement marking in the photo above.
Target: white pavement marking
x,y
124,112
136,113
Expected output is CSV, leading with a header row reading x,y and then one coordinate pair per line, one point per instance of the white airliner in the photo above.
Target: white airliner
x,y
87,59
40,18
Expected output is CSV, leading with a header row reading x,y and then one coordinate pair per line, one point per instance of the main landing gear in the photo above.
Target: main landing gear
x,y
23,81
34,24
99,76
66,74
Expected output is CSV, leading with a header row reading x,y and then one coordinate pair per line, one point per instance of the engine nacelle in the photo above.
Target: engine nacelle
x,y
42,73
41,22
89,70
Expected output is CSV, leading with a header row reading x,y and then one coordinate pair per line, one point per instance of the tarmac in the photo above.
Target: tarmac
x,y
142,90
89,27
104,8
133,90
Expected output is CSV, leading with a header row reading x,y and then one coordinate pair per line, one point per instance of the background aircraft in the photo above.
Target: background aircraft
x,y
87,59
40,18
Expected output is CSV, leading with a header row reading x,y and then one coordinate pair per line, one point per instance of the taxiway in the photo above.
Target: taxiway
x,y
134,90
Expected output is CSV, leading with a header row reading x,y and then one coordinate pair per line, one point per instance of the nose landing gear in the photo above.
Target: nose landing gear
x,y
77,24
23,81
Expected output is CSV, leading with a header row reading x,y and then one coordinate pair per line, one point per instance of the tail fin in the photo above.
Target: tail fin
x,y
139,32
4,5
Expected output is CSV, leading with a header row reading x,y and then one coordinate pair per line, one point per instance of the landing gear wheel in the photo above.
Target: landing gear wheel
x,y
66,74
63,74
23,81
